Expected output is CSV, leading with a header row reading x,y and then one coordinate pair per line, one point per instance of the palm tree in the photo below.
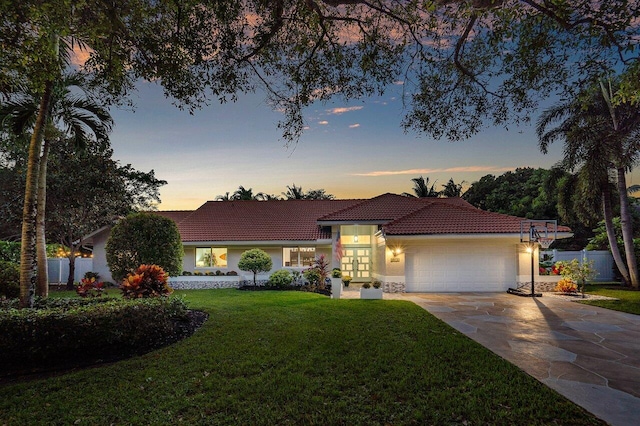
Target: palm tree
x,y
422,189
225,197
600,139
452,189
72,112
247,194
294,192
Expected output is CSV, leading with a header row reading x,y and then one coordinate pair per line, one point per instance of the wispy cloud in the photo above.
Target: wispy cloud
x,y
353,126
323,122
342,110
467,169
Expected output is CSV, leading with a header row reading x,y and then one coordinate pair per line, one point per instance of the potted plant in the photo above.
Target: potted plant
x,y
366,292
346,280
336,283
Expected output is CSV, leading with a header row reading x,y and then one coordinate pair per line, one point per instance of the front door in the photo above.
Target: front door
x,y
356,262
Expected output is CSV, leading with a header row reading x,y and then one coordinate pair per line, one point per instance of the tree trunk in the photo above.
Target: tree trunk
x,y
627,229
42,286
611,235
27,250
72,269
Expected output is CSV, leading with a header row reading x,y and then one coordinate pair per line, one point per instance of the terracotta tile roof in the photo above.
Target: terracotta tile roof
x,y
384,208
176,215
308,220
275,220
443,217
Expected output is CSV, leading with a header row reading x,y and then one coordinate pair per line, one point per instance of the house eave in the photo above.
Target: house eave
x,y
258,243
463,236
352,222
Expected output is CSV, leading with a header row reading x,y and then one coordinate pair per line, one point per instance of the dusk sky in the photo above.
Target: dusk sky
x,y
352,150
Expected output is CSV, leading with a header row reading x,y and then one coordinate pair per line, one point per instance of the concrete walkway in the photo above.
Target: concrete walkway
x,y
588,354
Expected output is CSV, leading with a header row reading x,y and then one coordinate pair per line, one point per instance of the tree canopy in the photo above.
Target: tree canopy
x,y
144,239
463,62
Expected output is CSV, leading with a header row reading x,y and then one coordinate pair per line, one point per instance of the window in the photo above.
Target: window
x,y
298,256
210,257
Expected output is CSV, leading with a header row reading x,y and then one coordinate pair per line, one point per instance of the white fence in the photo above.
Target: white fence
x,y
59,269
602,260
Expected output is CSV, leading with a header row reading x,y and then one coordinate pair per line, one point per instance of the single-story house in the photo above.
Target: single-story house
x,y
409,244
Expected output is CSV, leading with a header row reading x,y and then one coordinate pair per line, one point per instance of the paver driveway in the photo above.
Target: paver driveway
x,y
588,354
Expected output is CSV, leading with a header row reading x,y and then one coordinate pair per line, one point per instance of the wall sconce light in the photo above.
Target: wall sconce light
x,y
355,238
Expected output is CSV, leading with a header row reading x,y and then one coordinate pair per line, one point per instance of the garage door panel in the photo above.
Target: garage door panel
x,y
460,267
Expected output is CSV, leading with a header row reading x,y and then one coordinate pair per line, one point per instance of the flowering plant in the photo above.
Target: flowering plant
x,y
146,281
89,287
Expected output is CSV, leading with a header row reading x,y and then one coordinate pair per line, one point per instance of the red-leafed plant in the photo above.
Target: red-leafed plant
x,y
90,287
146,281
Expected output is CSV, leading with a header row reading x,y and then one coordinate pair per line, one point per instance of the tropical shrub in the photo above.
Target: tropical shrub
x,y
366,284
97,329
318,273
90,287
377,284
9,279
144,238
255,260
146,281
578,272
232,274
280,279
565,285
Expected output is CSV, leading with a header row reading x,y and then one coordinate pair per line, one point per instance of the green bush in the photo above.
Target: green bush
x,y
255,260
144,238
95,329
9,279
10,251
280,279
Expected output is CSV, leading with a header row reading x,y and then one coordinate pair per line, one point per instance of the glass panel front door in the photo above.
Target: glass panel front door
x,y
356,262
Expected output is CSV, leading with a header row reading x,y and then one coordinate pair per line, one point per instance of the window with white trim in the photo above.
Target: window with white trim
x,y
211,257
298,256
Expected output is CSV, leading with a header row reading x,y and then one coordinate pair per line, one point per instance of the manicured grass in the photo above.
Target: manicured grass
x,y
266,358
629,300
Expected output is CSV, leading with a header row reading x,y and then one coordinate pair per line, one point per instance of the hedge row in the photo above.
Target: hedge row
x,y
41,338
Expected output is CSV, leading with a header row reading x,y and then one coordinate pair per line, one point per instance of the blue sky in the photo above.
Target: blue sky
x,y
352,150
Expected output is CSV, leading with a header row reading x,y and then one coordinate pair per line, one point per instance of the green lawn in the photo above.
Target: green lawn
x,y
629,300
266,358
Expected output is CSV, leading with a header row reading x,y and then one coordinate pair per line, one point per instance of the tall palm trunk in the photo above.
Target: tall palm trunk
x,y
611,234
27,250
42,286
627,229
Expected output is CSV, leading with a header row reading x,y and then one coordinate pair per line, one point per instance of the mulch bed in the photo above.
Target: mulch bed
x,y
182,330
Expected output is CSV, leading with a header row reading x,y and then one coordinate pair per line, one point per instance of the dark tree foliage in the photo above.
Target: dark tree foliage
x,y
540,194
144,239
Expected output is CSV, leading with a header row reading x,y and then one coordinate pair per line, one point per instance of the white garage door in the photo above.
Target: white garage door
x,y
460,266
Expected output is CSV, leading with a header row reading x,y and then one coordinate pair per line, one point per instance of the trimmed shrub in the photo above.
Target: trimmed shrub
x,y
97,329
144,238
146,281
255,260
280,279
9,279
